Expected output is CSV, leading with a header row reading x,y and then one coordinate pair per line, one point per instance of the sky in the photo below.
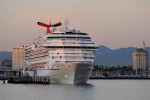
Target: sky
x,y
113,23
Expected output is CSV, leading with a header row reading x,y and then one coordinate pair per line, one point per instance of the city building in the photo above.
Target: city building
x,y
140,59
18,57
0,62
6,63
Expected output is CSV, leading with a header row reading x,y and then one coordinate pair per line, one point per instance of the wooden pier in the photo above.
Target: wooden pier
x,y
29,80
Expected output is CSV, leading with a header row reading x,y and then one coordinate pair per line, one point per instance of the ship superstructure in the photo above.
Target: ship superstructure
x,y
66,56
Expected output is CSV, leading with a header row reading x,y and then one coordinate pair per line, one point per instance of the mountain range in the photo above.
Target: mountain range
x,y
122,56
5,55
104,56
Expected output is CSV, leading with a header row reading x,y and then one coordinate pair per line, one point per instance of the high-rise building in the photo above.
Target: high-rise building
x,y
140,58
18,57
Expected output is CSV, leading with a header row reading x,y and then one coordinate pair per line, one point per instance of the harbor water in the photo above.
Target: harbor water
x,y
94,90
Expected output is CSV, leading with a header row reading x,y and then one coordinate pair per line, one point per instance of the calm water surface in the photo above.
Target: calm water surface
x,y
95,90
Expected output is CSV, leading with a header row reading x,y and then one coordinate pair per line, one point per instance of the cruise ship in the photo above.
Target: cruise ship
x,y
65,55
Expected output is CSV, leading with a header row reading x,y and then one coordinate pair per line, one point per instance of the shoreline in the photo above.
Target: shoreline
x,y
124,78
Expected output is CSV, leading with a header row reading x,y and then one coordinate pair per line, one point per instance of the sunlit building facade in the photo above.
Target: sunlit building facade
x,y
18,57
140,59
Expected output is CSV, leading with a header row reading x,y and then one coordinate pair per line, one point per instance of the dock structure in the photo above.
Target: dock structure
x,y
8,72
15,76
30,80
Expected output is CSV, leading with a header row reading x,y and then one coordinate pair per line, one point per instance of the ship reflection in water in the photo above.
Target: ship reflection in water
x,y
96,90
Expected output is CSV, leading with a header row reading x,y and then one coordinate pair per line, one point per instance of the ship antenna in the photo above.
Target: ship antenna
x,y
50,23
144,45
66,24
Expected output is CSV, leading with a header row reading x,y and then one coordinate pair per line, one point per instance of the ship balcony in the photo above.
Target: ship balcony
x,y
65,51
71,55
69,40
68,44
74,60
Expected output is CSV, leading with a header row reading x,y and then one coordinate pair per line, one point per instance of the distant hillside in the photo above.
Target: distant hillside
x,y
5,55
122,56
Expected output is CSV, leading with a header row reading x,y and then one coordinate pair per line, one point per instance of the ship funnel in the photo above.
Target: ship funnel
x,y
48,31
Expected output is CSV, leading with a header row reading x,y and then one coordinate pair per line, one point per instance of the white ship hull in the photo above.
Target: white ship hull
x,y
70,73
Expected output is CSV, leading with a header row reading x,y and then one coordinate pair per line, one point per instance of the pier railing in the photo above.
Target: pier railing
x,y
7,72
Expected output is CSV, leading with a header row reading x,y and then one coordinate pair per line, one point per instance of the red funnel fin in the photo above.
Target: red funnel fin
x,y
48,31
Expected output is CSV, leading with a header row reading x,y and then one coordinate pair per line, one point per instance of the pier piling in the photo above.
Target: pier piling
x,y
4,80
